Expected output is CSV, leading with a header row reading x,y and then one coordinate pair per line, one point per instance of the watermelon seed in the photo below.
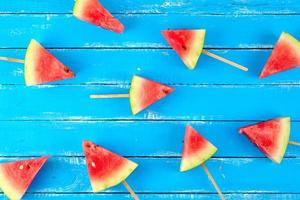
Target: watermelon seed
x,y
166,91
93,164
66,69
21,167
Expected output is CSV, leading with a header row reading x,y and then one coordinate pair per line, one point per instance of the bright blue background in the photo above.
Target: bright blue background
x,y
215,98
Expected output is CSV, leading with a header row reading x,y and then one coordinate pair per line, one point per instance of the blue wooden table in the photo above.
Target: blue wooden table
x,y
215,98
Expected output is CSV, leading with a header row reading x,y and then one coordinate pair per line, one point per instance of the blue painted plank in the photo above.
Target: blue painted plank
x,y
69,175
200,103
95,66
160,6
64,177
65,31
148,138
162,196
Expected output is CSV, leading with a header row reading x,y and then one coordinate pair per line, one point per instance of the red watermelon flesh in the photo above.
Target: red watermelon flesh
x,y
271,136
93,12
187,43
15,177
105,169
144,92
196,150
285,55
42,67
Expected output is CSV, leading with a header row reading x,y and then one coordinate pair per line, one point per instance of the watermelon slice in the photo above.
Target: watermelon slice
x,y
105,169
271,137
93,12
42,67
285,55
196,150
15,177
144,92
187,43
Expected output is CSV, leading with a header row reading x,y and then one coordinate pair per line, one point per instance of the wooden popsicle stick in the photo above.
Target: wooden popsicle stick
x,y
229,62
12,59
105,96
294,143
212,180
130,190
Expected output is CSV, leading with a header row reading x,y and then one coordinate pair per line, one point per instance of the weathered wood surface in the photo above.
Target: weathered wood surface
x,y
215,98
69,175
149,138
160,6
144,30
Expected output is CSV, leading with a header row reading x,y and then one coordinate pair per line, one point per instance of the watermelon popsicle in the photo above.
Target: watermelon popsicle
x,y
189,45
107,169
197,150
271,137
285,56
16,177
93,12
40,66
143,93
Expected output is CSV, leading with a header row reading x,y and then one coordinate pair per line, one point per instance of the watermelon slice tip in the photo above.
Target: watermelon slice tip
x,y
144,92
42,67
285,56
271,137
196,150
187,43
16,177
105,168
93,12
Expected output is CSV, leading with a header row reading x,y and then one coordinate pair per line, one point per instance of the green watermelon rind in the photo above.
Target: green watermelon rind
x,y
284,37
285,124
291,39
192,59
76,8
29,60
137,93
134,89
285,133
79,11
198,158
7,188
119,176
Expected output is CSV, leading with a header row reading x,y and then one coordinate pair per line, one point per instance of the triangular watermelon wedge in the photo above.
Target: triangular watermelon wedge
x,y
43,67
187,43
93,12
105,169
144,92
285,55
196,150
16,177
271,137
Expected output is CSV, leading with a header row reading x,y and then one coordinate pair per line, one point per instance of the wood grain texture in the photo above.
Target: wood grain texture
x,y
161,196
160,6
149,138
56,102
65,31
95,66
69,175
216,99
